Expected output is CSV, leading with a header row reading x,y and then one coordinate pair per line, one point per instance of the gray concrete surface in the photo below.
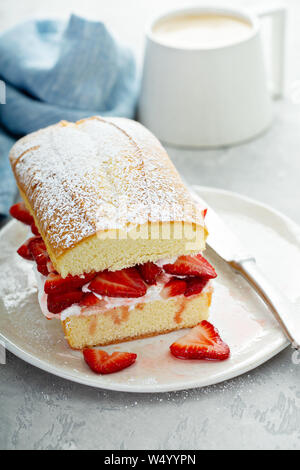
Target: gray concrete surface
x,y
259,410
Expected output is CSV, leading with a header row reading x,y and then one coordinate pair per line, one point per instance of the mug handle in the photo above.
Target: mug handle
x,y
278,15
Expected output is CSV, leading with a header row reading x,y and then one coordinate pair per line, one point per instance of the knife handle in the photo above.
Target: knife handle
x,y
278,304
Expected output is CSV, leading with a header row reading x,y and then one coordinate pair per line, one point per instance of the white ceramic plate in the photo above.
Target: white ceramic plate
x,y
243,320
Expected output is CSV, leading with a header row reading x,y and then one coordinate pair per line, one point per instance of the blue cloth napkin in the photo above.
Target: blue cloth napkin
x,y
56,70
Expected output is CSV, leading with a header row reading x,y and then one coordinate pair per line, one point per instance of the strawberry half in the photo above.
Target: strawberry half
x,y
124,283
38,250
102,363
35,230
149,272
194,285
55,283
24,250
202,342
43,269
56,303
19,212
191,266
173,287
90,300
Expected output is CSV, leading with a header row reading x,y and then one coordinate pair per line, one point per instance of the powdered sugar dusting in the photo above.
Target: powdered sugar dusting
x,y
76,175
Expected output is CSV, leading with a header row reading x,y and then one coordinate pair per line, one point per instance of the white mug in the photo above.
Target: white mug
x,y
211,97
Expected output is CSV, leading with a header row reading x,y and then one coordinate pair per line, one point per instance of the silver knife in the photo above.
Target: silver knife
x,y
228,246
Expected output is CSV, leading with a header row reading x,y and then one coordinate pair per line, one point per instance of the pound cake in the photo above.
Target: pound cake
x,y
116,238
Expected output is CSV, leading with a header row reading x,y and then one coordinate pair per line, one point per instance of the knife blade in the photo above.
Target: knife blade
x,y
227,245
223,241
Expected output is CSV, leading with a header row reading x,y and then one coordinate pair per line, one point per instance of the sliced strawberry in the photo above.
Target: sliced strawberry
x,y
55,283
58,302
174,287
35,230
124,283
204,212
195,285
103,363
191,266
19,212
149,272
38,250
43,269
90,300
24,250
202,342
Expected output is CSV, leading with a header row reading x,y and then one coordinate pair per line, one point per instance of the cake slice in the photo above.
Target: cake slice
x,y
117,239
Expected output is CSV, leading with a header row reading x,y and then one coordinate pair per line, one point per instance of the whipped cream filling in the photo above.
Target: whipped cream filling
x,y
153,293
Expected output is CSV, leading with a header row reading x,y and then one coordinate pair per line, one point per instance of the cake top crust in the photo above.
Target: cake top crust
x,y
97,175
